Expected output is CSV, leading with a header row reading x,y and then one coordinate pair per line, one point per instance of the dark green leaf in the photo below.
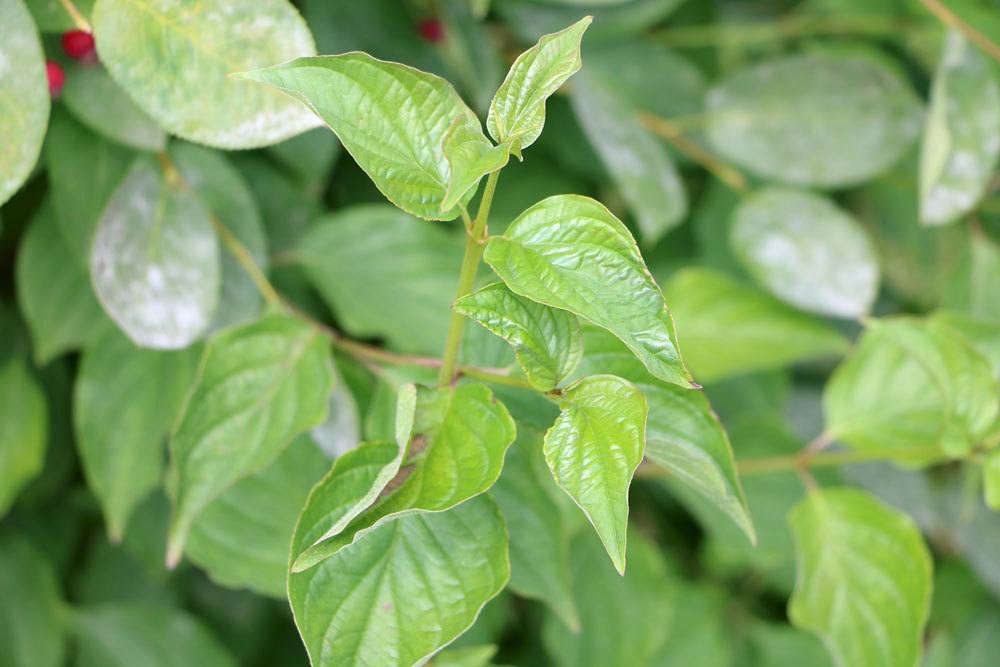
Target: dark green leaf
x,y
31,632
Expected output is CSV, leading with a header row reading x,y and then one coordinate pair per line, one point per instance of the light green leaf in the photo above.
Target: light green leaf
x,y
517,112
23,429
973,288
539,529
826,120
54,292
222,190
84,170
31,611
469,656
638,163
991,480
458,437
624,621
155,260
570,252
100,104
547,341
730,328
242,538
384,274
131,634
961,135
594,447
24,97
377,602
125,401
806,251
175,60
408,115
913,386
258,387
470,156
683,435
864,578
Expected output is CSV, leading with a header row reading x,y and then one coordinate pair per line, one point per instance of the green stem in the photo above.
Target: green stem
x,y
829,459
474,245
495,378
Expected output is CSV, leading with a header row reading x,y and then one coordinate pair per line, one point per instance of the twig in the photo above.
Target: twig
x,y
675,135
950,18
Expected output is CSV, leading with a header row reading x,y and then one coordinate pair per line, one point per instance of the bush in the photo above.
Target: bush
x,y
246,418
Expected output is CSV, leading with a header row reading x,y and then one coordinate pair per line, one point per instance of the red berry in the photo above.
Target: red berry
x,y
56,77
79,45
431,29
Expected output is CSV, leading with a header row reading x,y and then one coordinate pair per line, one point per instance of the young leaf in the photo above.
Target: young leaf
x,y
539,529
84,170
258,386
594,448
129,634
547,341
623,621
175,60
806,251
24,97
457,443
470,156
100,104
125,400
155,260
227,196
31,633
730,328
961,134
517,112
682,433
54,292
242,538
913,386
821,120
404,591
408,115
864,578
23,430
638,163
570,252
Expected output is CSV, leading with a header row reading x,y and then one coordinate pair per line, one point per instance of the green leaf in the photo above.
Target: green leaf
x,y
470,156
242,538
784,646
407,589
100,104
175,60
258,386
570,252
547,341
517,112
469,656
806,251
530,19
639,164
683,435
458,437
700,634
24,97
539,529
129,634
31,611
730,328
991,480
222,190
973,283
824,119
84,170
624,621
155,260
913,386
51,15
54,291
864,578
408,116
961,136
23,430
384,274
125,401
594,447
